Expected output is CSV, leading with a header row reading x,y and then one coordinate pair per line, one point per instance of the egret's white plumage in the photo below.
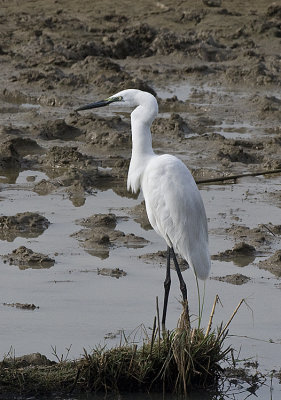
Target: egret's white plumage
x,y
173,203
176,211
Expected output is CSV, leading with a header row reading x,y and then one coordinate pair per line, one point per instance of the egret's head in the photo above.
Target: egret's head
x,y
128,98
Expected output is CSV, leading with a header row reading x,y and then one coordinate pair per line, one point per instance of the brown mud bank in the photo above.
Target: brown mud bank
x,y
75,53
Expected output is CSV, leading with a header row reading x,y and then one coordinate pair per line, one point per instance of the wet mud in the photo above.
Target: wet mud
x,y
160,258
272,264
236,279
27,224
22,306
113,272
214,67
27,258
100,235
242,254
34,359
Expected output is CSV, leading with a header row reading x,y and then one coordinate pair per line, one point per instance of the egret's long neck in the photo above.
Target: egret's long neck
x,y
141,119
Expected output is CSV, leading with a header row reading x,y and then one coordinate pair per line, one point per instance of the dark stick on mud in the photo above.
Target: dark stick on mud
x,y
233,177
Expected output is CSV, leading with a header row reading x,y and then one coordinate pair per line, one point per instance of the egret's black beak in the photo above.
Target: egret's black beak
x,y
97,104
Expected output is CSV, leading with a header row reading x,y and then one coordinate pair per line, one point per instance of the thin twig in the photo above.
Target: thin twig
x,y
233,177
153,335
133,356
269,230
212,315
231,318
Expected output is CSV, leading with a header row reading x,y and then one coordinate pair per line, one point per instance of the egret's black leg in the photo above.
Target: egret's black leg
x,y
167,285
182,282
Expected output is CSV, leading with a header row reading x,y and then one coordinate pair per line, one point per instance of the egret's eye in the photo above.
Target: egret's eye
x,y
113,99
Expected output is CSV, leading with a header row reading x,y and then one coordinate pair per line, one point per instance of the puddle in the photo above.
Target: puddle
x,y
235,131
183,91
28,106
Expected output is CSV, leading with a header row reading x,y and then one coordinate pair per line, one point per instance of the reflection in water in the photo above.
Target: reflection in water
x,y
243,261
9,176
260,388
143,396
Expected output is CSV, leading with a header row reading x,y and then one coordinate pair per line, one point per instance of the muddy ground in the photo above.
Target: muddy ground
x,y
214,67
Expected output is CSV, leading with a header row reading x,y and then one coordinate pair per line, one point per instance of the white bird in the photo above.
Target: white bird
x,y
173,202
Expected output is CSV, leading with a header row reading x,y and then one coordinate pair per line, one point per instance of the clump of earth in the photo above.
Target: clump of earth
x,y
27,224
272,264
242,254
235,279
113,272
22,306
27,360
100,235
26,258
160,258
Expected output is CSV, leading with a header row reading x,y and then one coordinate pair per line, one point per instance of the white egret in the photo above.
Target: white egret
x,y
173,203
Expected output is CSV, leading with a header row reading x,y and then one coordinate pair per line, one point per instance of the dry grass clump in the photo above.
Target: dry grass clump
x,y
181,359
171,361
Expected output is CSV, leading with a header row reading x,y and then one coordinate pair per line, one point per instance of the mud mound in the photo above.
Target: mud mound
x,y
112,133
45,187
9,157
50,77
239,250
17,152
26,258
22,306
113,272
57,129
8,131
108,76
97,220
259,237
133,41
140,215
27,224
174,126
71,169
160,257
26,146
91,122
101,235
61,157
272,264
237,154
33,359
236,279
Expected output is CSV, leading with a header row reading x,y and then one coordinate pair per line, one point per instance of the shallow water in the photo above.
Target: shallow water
x,y
78,307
